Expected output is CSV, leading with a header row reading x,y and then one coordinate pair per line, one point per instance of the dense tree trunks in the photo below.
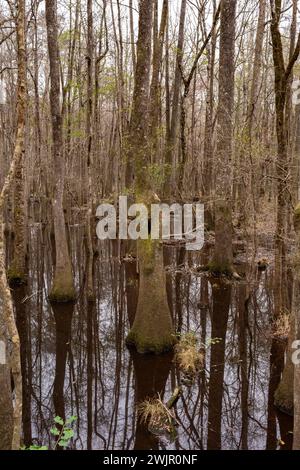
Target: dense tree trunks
x,y
183,112
282,74
170,159
63,287
12,365
247,194
207,177
223,257
283,395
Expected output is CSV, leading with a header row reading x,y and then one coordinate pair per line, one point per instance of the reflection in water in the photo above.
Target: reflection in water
x,y
23,319
75,362
63,321
151,374
221,296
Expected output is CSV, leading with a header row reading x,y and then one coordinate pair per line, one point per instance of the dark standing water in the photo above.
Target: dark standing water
x,y
75,361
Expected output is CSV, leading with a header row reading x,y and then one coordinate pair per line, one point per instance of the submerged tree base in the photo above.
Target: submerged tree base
x,y
220,269
152,330
63,289
16,278
148,345
284,399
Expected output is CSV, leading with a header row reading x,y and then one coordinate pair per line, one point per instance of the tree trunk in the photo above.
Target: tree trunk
x,y
16,272
223,257
152,330
207,179
155,96
63,287
12,362
89,149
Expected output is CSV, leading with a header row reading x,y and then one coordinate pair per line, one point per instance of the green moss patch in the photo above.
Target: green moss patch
x,y
63,288
15,277
147,345
219,269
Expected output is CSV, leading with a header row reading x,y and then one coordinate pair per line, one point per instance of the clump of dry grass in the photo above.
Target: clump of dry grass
x,y
156,415
281,326
188,356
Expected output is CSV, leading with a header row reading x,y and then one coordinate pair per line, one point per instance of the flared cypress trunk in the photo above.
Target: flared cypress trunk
x,y
152,330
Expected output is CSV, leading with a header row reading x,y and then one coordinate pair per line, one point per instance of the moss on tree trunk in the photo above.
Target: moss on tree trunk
x,y
63,287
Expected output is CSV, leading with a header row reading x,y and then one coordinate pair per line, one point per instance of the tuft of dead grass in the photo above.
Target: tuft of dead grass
x,y
281,326
188,356
154,413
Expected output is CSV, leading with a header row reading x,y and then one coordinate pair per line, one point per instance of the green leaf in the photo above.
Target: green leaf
x,y
59,420
54,431
71,419
63,443
34,447
68,434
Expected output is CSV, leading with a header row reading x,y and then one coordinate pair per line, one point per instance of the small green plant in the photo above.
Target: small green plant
x,y
62,431
212,342
33,447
